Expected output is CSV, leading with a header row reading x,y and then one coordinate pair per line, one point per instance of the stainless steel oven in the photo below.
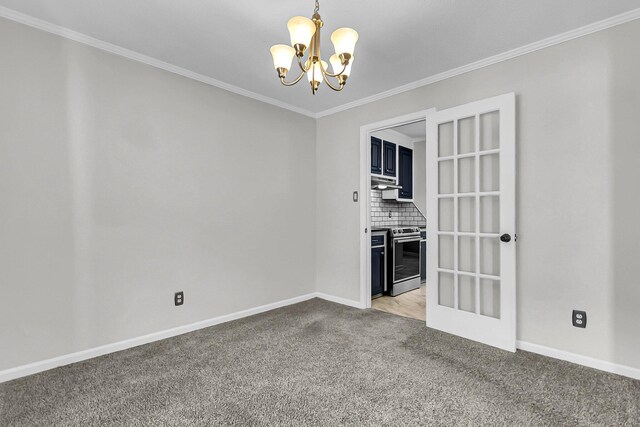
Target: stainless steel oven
x,y
404,271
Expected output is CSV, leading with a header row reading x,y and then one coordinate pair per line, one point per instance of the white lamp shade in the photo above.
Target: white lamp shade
x,y
315,73
301,29
282,56
337,66
344,40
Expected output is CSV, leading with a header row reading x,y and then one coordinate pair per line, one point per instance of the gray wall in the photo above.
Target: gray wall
x,y
578,150
420,176
121,183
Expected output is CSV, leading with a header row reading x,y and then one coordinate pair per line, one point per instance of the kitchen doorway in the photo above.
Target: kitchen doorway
x,y
393,209
398,223
469,191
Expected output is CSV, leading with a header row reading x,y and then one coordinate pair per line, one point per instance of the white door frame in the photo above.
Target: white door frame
x,y
365,194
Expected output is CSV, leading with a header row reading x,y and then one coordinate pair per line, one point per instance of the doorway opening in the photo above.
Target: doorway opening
x,y
469,213
395,210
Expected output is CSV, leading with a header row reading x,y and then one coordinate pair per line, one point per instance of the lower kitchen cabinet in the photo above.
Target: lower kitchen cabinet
x,y
377,271
423,261
378,263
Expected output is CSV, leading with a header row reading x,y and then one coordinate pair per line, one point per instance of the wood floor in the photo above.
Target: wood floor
x,y
410,304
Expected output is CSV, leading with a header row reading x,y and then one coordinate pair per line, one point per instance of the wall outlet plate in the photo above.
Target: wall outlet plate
x,y
579,319
178,298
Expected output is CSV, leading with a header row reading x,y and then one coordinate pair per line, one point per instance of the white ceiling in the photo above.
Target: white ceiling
x,y
415,130
400,42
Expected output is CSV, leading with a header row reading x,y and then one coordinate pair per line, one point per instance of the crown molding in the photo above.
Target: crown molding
x,y
501,57
138,57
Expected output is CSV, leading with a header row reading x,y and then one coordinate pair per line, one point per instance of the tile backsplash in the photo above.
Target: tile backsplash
x,y
390,213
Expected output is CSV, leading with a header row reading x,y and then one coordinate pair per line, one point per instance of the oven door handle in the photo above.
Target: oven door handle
x,y
407,239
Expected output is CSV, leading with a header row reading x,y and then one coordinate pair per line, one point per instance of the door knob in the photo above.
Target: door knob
x,y
505,238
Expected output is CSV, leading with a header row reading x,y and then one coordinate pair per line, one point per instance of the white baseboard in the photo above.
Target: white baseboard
x,y
343,301
33,368
590,362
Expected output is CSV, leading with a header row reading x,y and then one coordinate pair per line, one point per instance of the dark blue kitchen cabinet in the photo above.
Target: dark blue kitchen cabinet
x,y
405,172
377,271
376,155
423,261
389,159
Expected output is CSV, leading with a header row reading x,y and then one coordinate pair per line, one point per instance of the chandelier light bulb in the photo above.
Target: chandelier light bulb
x,y
315,73
282,56
301,30
344,41
336,65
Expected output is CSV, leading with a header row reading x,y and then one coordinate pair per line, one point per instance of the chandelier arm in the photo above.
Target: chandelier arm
x,y
326,73
293,82
333,87
302,67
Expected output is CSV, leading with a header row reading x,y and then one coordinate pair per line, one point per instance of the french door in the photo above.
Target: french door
x,y
471,240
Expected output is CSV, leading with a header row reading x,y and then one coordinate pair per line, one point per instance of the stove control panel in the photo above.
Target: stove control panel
x,y
406,230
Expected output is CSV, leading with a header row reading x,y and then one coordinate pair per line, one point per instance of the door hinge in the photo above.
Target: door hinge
x,y
365,230
515,237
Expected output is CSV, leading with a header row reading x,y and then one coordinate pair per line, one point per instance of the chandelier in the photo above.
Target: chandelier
x,y
305,35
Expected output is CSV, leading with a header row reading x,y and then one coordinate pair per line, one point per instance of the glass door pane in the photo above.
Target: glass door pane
x,y
471,283
489,131
468,217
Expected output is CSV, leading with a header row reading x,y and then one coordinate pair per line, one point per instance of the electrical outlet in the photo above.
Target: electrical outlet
x,y
579,319
178,298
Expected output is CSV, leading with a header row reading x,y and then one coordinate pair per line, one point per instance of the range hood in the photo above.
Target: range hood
x,y
381,183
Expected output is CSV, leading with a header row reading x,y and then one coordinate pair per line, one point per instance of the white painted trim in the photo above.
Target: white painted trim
x,y
365,188
579,359
44,365
138,57
505,56
343,301
33,368
135,56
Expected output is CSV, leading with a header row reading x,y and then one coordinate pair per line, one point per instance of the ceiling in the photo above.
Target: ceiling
x,y
400,42
416,130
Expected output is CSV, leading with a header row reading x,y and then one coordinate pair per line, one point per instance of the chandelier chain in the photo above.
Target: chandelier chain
x,y
317,9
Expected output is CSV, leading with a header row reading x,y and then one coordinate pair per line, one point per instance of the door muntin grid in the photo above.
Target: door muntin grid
x,y
469,214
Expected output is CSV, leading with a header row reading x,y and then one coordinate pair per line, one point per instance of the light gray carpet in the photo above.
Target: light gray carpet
x,y
319,363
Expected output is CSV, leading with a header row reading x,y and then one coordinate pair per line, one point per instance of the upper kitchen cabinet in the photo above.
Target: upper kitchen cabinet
x,y
405,180
389,159
376,155
383,157
405,177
